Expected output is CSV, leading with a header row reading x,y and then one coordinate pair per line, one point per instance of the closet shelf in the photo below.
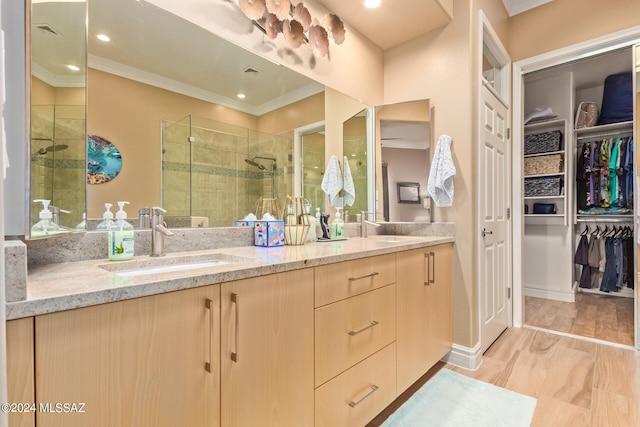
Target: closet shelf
x,y
609,130
543,197
549,124
544,154
544,174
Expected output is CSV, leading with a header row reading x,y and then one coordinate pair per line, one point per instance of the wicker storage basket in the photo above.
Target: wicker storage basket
x,y
540,165
543,142
543,186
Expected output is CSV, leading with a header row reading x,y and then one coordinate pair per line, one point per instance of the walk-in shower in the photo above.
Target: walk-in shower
x,y
271,171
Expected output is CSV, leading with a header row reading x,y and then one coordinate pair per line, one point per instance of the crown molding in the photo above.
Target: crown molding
x,y
56,80
152,79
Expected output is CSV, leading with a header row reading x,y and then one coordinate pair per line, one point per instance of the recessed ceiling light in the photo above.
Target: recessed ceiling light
x,y
73,67
371,4
103,37
241,96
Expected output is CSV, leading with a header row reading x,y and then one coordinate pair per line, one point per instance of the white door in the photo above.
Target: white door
x,y
494,218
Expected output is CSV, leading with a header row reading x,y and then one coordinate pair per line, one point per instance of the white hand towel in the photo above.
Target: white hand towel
x,y
349,189
440,185
332,181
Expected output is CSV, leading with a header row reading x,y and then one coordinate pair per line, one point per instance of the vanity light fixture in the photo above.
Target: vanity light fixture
x,y
73,67
103,37
372,4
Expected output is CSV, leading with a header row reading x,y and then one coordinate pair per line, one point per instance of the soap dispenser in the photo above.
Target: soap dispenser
x,y
337,226
121,236
107,219
45,227
82,225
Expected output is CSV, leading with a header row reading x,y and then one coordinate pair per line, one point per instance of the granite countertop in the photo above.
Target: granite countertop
x,y
68,285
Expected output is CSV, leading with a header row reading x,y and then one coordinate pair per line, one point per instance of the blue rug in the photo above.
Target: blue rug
x,y
451,399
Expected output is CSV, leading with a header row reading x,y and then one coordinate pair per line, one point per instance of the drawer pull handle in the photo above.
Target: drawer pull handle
x,y
209,305
433,270
374,388
353,279
235,298
426,257
371,325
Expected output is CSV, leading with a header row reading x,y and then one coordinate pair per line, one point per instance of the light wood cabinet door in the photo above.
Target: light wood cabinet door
x,y
140,362
267,350
424,332
20,366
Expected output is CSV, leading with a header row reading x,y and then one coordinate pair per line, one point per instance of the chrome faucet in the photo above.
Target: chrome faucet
x,y
158,231
364,222
143,218
55,214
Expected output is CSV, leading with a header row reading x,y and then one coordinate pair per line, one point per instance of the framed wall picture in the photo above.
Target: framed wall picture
x,y
408,192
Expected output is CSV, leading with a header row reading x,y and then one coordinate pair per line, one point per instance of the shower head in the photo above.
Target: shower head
x,y
49,149
252,163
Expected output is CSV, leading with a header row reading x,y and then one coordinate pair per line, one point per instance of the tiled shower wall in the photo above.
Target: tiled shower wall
x,y
59,176
209,175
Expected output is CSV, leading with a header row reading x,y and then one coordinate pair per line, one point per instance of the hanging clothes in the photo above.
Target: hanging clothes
x,y
581,257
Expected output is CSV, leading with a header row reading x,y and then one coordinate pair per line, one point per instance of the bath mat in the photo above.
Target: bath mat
x,y
451,399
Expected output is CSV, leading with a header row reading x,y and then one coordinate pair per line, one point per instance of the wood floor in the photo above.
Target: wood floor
x,y
602,317
577,382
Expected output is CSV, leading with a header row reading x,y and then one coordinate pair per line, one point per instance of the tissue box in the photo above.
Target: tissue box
x,y
268,233
244,223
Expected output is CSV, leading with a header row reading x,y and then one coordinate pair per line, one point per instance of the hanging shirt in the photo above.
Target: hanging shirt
x,y
613,172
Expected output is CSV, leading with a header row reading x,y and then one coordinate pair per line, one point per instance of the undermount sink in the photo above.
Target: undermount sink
x,y
144,266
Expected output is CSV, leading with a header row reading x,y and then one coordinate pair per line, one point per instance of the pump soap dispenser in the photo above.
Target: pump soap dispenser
x,y
121,236
107,218
45,227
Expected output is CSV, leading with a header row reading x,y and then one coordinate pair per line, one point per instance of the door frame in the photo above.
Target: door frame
x,y
614,41
298,135
487,36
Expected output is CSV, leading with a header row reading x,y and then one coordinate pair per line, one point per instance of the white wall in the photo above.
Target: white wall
x,y
406,165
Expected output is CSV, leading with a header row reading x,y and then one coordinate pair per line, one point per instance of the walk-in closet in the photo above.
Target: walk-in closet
x,y
579,168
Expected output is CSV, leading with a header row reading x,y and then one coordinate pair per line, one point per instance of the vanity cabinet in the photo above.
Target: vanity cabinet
x,y
355,333
139,362
424,309
267,350
20,386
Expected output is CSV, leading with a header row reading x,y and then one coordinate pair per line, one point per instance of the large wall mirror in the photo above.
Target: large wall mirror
x,y
403,133
58,110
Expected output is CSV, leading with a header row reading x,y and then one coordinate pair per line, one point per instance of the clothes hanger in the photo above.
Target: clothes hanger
x,y
585,231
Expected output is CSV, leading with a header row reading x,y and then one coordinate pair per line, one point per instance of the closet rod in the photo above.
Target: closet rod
x,y
607,220
606,135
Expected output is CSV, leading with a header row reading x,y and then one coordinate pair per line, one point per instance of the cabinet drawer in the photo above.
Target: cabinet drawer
x,y
350,330
356,396
338,281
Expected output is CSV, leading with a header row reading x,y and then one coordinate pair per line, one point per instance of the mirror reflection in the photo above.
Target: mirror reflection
x,y
355,153
57,119
403,132
170,101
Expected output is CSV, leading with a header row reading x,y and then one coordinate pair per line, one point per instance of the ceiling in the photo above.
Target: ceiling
x,y
158,48
398,21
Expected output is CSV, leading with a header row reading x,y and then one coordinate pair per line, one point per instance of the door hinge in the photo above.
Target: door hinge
x,y
508,213
508,293
192,139
508,133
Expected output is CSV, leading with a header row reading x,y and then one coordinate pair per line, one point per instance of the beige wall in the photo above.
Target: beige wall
x,y
438,66
562,23
285,119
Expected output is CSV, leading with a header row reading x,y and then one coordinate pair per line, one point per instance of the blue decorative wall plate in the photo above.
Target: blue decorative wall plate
x,y
103,160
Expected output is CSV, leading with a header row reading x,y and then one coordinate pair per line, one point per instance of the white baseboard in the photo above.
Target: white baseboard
x,y
464,357
568,296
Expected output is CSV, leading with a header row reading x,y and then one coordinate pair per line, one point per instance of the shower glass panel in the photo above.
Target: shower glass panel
x,y
355,150
220,171
313,169
58,162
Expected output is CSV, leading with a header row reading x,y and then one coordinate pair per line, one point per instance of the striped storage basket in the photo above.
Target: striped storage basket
x,y
543,186
543,142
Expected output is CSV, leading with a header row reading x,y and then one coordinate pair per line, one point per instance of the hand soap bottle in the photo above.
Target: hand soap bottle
x,y
107,219
337,226
45,227
121,236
